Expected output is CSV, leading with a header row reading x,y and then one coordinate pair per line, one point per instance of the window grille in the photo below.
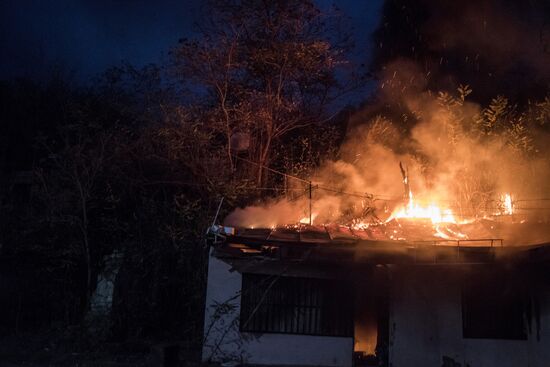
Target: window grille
x,y
274,304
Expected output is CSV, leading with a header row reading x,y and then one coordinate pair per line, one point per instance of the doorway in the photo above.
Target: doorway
x,y
371,317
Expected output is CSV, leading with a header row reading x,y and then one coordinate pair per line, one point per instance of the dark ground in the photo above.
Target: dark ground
x,y
68,347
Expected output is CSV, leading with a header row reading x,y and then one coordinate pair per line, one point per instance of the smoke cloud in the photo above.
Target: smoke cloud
x,y
458,153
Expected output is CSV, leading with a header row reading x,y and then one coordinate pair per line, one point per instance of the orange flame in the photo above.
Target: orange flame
x,y
305,220
507,205
414,210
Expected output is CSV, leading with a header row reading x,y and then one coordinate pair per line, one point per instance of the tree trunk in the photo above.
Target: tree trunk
x,y
264,162
86,246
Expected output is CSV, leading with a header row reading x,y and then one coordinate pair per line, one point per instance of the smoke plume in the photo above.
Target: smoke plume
x,y
459,153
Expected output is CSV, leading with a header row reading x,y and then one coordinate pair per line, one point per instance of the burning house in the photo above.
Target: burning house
x,y
418,289
454,276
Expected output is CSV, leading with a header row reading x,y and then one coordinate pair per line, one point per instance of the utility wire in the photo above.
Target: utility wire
x,y
374,197
271,169
337,191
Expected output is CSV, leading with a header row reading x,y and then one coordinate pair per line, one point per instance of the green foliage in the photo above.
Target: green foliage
x,y
503,126
493,117
302,152
382,131
454,115
463,92
503,120
519,138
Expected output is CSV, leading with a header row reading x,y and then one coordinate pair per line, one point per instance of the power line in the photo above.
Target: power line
x,y
337,191
271,169
365,195
308,182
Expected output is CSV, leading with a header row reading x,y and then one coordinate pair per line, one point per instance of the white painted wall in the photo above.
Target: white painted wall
x,y
426,324
224,342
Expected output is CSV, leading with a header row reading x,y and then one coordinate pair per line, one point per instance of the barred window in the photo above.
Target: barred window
x,y
274,304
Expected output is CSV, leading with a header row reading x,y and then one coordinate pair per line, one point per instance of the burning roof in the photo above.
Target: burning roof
x,y
383,243
481,232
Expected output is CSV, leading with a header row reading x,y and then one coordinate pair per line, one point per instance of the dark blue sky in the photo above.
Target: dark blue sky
x,y
90,35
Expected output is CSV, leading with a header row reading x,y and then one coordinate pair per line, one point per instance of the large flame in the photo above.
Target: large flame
x,y
432,212
421,217
306,220
507,205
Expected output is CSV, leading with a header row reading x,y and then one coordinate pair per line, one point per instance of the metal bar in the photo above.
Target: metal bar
x,y
295,311
438,242
299,307
308,306
310,222
218,211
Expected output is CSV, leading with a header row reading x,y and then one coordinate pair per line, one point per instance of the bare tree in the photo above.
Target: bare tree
x,y
264,68
68,183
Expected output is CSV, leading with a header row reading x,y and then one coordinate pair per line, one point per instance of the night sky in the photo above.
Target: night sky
x,y
85,37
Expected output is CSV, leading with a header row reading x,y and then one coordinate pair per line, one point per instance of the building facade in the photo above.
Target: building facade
x,y
342,303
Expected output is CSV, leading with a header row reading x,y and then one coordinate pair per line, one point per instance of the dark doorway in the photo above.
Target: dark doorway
x,y
371,317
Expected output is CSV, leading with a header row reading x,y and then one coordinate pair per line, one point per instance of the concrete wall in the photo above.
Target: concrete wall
x,y
426,327
224,342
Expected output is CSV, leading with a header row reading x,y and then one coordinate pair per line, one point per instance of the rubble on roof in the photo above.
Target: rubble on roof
x,y
397,241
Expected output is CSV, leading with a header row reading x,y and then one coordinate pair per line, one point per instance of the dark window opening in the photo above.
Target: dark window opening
x,y
494,307
274,304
